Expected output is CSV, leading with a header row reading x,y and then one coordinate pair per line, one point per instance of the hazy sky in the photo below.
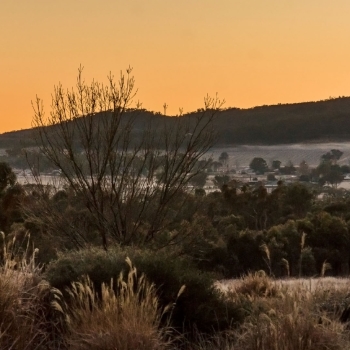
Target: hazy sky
x,y
252,52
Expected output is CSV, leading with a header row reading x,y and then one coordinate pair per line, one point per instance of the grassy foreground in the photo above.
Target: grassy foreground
x,y
289,314
126,313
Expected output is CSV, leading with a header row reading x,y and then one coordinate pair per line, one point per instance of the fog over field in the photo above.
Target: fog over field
x,y
241,156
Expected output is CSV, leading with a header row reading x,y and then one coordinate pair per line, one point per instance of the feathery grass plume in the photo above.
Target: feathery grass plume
x,y
325,267
302,244
256,284
285,263
170,307
302,241
2,234
128,318
265,249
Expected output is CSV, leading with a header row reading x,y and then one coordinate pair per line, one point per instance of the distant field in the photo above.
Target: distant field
x,y
241,156
310,284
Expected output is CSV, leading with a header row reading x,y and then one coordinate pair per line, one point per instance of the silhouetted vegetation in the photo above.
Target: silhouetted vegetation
x,y
131,194
321,121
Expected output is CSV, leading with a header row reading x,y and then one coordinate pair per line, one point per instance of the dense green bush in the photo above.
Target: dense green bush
x,y
245,255
201,306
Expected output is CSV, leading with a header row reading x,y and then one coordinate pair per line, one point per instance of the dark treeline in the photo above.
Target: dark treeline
x,y
129,189
241,228
321,121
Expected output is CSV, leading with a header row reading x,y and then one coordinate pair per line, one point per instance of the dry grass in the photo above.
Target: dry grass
x,y
292,314
23,307
310,284
256,284
301,314
292,322
34,316
126,319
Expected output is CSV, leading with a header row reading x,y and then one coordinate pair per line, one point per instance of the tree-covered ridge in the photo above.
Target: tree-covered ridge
x,y
124,187
321,121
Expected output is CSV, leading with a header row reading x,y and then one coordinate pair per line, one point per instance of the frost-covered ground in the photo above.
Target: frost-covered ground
x,y
241,156
310,284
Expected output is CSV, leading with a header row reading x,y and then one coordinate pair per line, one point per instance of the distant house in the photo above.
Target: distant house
x,y
271,185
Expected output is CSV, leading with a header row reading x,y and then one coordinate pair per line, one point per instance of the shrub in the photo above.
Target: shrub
x,y
257,284
96,263
201,305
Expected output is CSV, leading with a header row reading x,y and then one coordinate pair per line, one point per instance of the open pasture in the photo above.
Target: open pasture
x,y
240,156
306,284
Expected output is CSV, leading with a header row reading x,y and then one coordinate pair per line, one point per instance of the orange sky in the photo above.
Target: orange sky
x,y
251,52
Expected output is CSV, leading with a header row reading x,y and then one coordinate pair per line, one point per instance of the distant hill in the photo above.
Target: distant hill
x,y
15,139
322,121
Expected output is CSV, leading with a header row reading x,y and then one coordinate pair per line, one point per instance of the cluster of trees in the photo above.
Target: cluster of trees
x,y
286,123
278,124
327,172
11,195
124,191
129,172
125,181
231,232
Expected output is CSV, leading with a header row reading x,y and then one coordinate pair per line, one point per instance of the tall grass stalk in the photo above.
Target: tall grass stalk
x,y
302,245
285,263
325,267
265,249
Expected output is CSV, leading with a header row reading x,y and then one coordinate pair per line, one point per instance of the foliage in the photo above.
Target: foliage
x,y
298,199
199,179
333,156
221,180
288,169
10,207
128,170
244,253
330,173
276,164
312,121
304,168
224,158
200,306
258,165
7,177
329,238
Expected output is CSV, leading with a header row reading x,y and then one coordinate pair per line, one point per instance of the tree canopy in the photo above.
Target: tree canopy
x,y
7,176
131,172
259,165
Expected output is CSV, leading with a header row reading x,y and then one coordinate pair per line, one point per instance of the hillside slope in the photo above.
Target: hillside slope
x,y
322,121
